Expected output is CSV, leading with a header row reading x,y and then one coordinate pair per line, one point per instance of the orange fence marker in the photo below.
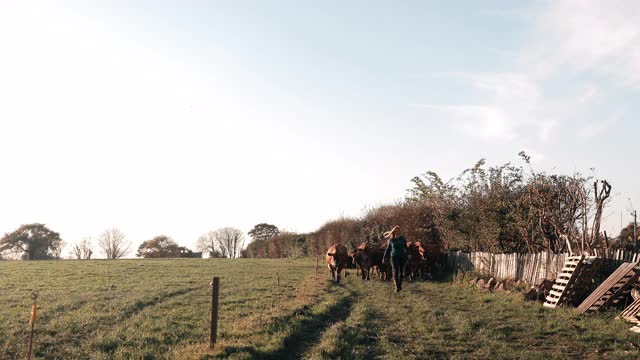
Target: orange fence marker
x,y
32,321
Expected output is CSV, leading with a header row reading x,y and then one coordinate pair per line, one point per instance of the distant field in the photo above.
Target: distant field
x,y
148,309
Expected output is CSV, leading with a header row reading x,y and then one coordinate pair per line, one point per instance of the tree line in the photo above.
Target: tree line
x,y
37,242
500,209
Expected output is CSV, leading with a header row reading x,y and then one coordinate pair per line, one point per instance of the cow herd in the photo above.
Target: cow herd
x,y
368,259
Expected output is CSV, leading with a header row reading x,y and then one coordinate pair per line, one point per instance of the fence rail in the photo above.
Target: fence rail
x,y
526,267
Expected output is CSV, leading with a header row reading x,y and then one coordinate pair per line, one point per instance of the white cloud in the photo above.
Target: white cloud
x,y
588,36
551,81
590,94
480,121
513,106
595,128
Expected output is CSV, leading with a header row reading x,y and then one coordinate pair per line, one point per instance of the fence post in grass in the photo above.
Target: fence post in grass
x,y
32,321
278,274
316,265
215,292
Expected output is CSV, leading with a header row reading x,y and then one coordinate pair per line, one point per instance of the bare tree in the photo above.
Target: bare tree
x,y
208,243
114,244
227,241
57,252
230,241
601,196
82,249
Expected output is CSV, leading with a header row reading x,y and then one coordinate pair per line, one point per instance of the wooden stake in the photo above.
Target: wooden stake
x,y
215,292
32,321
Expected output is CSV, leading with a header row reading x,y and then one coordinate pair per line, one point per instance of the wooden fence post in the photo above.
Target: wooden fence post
x,y
215,292
32,321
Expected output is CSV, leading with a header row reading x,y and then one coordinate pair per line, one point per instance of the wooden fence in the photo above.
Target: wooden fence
x,y
526,267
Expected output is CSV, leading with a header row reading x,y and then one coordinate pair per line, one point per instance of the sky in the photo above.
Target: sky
x,y
176,118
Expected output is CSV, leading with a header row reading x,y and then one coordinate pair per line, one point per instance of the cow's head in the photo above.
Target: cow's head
x,y
353,249
413,250
364,253
336,260
333,258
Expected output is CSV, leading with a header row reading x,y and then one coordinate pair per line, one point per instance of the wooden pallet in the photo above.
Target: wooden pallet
x,y
564,283
631,312
586,282
611,290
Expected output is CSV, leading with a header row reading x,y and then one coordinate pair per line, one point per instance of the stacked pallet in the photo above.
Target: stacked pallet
x,y
564,283
586,282
631,312
612,289
575,281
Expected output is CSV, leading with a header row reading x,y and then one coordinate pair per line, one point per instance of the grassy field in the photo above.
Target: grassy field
x,y
148,309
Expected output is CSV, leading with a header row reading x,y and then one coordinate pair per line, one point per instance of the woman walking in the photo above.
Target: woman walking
x,y
397,252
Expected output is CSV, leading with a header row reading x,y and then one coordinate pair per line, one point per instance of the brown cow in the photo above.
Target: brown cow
x,y
415,260
351,263
351,259
376,254
337,260
429,254
363,260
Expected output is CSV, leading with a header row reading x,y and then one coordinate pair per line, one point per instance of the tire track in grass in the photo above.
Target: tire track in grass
x,y
292,334
140,305
359,336
309,329
51,346
354,338
239,334
425,321
393,325
129,315
46,316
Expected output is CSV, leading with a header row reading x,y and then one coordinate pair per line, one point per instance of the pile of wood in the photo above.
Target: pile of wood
x,y
632,312
493,284
539,291
488,284
579,284
613,289
575,281
579,277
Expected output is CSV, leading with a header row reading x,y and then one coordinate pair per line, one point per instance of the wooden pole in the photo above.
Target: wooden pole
x,y
215,292
316,266
635,231
31,341
32,321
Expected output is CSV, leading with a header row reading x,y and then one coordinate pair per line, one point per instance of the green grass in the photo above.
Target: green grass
x,y
439,320
135,308
148,309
